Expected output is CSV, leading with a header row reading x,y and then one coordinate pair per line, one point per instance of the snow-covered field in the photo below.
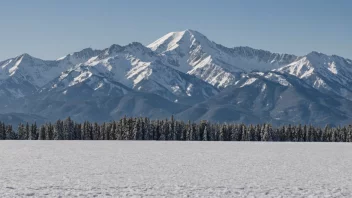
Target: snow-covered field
x,y
174,169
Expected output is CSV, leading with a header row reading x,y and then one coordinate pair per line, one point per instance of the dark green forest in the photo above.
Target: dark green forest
x,y
170,129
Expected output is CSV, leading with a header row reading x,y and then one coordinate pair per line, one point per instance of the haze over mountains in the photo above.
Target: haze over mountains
x,y
183,74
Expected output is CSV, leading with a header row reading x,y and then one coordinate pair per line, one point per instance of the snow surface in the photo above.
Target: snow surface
x,y
174,169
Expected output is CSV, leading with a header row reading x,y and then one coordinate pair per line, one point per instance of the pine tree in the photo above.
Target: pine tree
x,y
78,132
166,129
68,129
222,133
205,134
162,131
27,132
147,130
33,132
251,134
258,133
119,131
58,133
176,131
349,133
107,131
189,132
113,131
172,133
49,132
267,134
21,132
235,133
135,130
42,133
244,133
333,135
288,133
2,132
10,134
89,131
183,133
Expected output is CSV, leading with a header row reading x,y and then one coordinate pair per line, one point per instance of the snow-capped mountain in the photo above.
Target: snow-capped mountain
x,y
193,53
323,72
272,97
25,74
181,73
138,68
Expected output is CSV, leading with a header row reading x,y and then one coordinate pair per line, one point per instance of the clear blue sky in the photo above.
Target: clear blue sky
x,y
50,29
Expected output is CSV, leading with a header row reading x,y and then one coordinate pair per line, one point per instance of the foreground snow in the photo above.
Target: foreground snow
x,y
174,169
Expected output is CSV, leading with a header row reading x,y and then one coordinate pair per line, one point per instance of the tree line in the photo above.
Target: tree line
x,y
171,129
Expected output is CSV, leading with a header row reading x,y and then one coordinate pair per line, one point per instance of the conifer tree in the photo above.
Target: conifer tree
x,y
41,133
27,132
68,129
2,132
21,132
10,134
136,130
33,132
222,133
147,130
49,131
58,133
205,134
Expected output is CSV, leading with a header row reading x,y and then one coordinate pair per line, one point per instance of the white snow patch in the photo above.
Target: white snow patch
x,y
175,89
332,68
277,78
100,85
249,82
189,90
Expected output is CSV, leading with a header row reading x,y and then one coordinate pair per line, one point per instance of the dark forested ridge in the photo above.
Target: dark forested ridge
x,y
170,129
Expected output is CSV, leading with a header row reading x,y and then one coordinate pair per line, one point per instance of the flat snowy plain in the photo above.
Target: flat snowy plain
x,y
174,169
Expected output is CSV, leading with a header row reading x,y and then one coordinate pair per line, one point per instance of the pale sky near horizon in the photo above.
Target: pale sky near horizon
x,y
51,29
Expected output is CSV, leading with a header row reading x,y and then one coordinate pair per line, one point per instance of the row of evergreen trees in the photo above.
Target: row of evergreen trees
x,y
146,129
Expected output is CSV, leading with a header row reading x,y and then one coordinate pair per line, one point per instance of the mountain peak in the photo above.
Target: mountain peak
x,y
192,32
186,31
84,54
24,55
315,53
173,40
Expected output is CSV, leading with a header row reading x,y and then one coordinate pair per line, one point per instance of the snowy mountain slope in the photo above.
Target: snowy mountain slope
x,y
24,75
79,57
272,97
133,65
33,70
323,72
84,82
191,52
139,68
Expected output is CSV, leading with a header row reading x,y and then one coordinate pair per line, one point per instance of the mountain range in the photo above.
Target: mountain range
x,y
182,74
